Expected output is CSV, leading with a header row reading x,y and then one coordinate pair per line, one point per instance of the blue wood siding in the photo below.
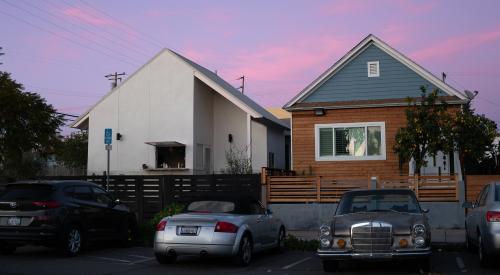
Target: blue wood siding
x,y
352,82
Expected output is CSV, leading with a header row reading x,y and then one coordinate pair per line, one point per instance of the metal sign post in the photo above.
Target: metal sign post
x,y
108,134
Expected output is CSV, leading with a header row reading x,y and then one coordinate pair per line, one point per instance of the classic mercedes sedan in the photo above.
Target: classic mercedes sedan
x,y
219,227
376,225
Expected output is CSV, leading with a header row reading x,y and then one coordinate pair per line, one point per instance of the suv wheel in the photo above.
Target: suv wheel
x,y
72,241
330,265
6,249
244,256
165,258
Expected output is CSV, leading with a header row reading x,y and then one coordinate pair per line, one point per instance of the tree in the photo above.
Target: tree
x,y
28,126
238,161
73,149
428,130
473,135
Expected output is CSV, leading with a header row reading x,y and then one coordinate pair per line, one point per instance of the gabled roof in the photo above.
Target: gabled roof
x,y
213,81
360,47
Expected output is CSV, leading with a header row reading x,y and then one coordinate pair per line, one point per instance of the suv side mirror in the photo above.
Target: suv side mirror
x,y
117,201
425,210
468,204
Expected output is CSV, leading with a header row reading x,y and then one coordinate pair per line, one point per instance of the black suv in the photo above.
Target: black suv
x,y
65,214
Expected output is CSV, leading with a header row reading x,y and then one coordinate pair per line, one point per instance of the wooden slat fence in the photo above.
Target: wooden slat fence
x,y
294,189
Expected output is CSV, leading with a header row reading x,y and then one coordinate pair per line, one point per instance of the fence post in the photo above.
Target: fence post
x,y
139,199
318,188
161,189
168,188
373,183
416,183
263,175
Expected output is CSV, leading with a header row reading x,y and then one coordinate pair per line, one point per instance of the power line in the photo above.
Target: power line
x,y
67,30
84,28
152,39
66,38
125,41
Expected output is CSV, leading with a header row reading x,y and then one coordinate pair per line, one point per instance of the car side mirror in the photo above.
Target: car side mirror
x,y
269,212
468,205
425,210
117,201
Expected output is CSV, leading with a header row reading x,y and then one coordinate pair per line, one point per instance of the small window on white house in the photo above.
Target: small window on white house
x,y
350,141
373,69
170,156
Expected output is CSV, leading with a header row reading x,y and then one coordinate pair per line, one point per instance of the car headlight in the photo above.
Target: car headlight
x,y
325,230
419,241
325,242
419,230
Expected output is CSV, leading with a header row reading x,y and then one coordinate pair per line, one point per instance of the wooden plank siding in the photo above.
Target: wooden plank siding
x,y
476,182
303,142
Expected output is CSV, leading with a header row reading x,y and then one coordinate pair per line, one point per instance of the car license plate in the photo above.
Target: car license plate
x,y
14,221
189,230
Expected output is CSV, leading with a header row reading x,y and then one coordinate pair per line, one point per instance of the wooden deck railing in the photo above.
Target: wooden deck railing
x,y
329,189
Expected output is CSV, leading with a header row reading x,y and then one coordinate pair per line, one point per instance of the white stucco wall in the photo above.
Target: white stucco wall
x,y
228,119
154,104
259,146
203,124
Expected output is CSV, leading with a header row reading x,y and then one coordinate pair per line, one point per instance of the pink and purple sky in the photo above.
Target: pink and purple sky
x,y
63,48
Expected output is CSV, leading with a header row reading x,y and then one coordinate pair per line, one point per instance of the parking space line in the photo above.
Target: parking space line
x,y
142,261
460,264
295,263
140,256
110,259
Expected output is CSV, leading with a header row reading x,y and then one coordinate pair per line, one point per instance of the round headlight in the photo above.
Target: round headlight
x,y
325,230
325,242
419,229
419,241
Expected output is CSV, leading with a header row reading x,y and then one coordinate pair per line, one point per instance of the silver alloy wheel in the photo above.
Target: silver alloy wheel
x,y
246,249
74,240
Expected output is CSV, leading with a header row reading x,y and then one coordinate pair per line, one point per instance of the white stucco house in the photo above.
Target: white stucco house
x,y
173,116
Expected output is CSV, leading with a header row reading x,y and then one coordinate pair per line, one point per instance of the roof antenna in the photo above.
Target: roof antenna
x,y
444,76
242,87
471,95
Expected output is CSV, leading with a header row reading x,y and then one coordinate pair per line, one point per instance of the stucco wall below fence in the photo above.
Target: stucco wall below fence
x,y
442,215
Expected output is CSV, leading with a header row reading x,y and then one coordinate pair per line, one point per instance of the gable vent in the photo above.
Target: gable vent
x,y
373,69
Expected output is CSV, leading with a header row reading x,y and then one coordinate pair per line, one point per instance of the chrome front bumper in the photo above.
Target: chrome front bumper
x,y
395,254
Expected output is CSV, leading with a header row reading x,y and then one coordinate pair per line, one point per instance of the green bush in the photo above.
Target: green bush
x,y
169,210
294,243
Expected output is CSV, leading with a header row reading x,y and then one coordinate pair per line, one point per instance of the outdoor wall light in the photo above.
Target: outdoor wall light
x,y
230,138
118,136
319,112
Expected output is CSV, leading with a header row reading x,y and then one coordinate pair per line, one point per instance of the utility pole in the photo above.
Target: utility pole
x,y
1,53
242,87
114,78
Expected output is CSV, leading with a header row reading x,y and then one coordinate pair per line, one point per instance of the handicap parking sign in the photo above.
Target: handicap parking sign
x,y
108,136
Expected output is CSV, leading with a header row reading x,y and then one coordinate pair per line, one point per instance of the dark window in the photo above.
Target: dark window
x,y
270,160
83,193
101,196
27,192
170,156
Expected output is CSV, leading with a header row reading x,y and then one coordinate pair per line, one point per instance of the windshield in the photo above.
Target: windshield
x,y
211,207
378,202
19,192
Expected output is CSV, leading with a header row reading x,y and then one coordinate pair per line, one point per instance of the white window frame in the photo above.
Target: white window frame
x,y
378,68
382,156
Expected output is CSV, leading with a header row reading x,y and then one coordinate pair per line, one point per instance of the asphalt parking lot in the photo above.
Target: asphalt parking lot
x,y
140,260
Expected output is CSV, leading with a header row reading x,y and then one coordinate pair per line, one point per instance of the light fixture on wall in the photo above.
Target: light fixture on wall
x,y
144,166
118,136
230,138
319,112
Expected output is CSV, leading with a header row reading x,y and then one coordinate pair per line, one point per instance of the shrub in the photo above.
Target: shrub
x,y
169,210
294,243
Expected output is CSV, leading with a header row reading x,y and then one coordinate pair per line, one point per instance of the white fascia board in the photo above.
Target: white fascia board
x,y
81,119
212,84
387,49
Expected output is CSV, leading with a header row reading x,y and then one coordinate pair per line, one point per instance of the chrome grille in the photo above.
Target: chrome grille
x,y
371,237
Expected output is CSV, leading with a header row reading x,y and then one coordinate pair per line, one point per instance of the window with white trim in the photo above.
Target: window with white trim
x,y
373,69
350,141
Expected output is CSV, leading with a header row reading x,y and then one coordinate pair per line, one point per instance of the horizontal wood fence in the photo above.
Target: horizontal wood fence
x,y
147,195
475,184
293,189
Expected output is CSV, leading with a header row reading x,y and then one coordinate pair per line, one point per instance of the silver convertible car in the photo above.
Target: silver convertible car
x,y
219,227
376,225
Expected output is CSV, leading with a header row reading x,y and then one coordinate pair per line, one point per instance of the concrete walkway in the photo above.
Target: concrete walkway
x,y
438,236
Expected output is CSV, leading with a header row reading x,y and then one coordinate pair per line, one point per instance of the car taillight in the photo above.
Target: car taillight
x,y
493,216
47,204
226,227
161,226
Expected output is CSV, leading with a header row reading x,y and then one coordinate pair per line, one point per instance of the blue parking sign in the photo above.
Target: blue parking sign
x,y
108,134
